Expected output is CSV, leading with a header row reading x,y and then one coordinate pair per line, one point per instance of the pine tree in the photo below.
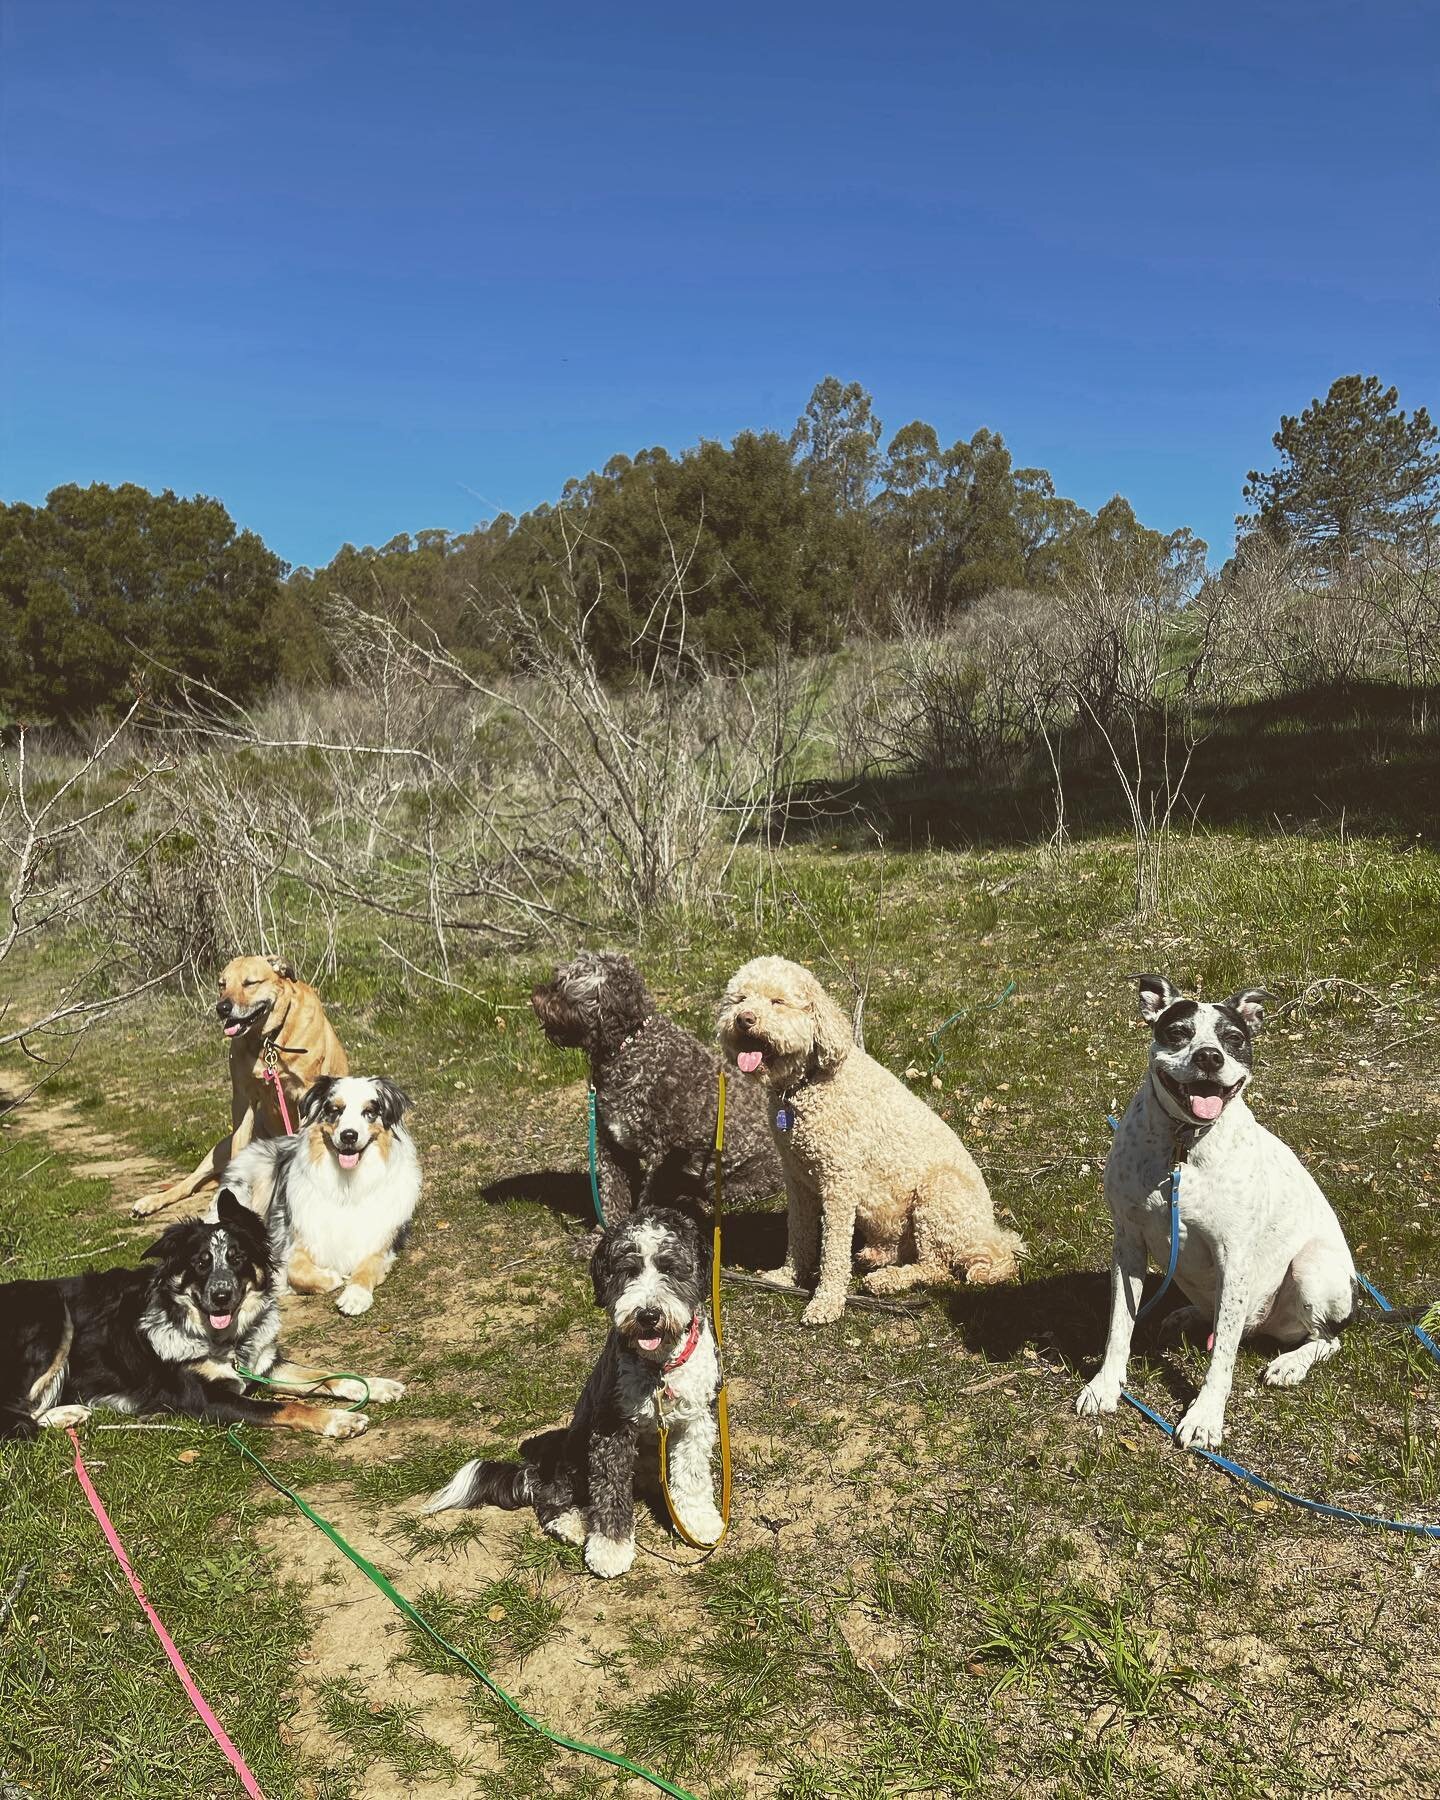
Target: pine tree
x,y
1354,471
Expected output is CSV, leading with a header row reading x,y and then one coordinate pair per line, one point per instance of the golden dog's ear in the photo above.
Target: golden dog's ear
x,y
282,966
834,1040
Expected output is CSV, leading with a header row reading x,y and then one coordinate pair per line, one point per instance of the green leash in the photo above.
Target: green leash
x,y
314,1389
945,1025
397,1599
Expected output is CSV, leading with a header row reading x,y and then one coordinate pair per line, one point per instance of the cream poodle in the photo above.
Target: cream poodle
x,y
858,1148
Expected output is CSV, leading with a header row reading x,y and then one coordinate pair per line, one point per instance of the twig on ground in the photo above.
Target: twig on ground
x,y
1317,988
10,1601
867,1301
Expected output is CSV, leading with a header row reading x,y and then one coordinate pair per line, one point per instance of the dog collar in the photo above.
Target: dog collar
x,y
1183,1137
686,1350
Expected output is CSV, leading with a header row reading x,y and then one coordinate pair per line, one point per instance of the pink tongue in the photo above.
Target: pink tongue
x,y
748,1061
1207,1106
349,1158
232,1031
218,1321
648,1343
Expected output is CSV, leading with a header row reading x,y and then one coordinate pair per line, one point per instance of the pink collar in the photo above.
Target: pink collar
x,y
686,1350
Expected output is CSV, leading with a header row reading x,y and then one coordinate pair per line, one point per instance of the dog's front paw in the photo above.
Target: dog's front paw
x,y
568,1526
608,1557
704,1524
147,1204
345,1424
382,1392
355,1300
824,1309
65,1415
1097,1396
784,1276
1203,1427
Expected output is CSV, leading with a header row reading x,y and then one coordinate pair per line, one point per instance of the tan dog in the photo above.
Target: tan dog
x,y
858,1148
269,1016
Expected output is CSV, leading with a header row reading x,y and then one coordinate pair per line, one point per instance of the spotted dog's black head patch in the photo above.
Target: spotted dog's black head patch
x,y
1201,1052
207,1268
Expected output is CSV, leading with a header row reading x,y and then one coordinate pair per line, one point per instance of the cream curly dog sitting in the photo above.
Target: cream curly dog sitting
x,y
858,1148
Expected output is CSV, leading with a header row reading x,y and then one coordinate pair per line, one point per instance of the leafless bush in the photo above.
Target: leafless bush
x,y
1296,629
1408,588
497,812
58,799
976,699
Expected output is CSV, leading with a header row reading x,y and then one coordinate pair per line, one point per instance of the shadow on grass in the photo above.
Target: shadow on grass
x,y
753,1238
1295,762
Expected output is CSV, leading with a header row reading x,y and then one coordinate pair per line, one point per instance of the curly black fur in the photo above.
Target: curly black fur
x,y
655,1089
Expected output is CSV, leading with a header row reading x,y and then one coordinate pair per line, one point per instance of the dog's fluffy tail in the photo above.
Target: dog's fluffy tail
x,y
507,1484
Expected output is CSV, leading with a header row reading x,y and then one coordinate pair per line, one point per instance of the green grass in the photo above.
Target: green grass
x,y
940,1581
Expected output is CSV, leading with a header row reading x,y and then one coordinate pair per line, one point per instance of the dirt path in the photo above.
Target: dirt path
x,y
94,1152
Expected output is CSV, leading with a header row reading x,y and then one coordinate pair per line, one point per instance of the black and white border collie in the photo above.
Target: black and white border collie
x,y
169,1337
652,1275
340,1194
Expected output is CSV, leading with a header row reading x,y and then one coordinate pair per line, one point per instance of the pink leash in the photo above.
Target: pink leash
x,y
273,1074
177,1662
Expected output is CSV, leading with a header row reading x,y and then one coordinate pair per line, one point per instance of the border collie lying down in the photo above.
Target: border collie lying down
x,y
169,1337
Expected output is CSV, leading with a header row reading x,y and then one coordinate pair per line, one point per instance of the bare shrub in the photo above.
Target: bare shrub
x,y
973,700
1298,630
60,798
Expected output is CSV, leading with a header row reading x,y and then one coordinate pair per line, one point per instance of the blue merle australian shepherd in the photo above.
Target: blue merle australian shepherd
x,y
340,1194
652,1276
172,1337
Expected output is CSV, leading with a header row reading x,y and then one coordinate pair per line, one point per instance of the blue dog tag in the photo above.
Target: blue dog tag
x,y
784,1119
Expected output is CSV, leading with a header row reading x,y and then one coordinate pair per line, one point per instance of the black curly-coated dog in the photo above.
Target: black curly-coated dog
x,y
655,1093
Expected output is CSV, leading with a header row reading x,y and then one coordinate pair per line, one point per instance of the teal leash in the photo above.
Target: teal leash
x,y
960,1013
594,1135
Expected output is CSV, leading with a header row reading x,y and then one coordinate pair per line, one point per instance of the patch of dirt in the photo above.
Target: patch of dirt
x,y
357,1637
94,1152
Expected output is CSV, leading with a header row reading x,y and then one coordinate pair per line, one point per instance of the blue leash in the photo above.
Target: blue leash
x,y
1224,1463
594,1156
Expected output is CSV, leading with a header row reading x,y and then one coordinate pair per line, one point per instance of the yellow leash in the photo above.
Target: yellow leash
x,y
722,1399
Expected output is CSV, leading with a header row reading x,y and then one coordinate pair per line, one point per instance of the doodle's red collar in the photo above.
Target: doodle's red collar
x,y
686,1350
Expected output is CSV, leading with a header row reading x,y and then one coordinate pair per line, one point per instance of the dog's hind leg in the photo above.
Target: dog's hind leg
x,y
58,1416
1314,1301
306,1276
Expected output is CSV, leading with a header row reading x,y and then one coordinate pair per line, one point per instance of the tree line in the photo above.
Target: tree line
x,y
744,548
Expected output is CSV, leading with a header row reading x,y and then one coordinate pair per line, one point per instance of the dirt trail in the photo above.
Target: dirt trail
x,y
359,1639
95,1152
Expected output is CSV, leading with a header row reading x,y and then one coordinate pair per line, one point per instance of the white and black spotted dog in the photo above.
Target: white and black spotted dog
x,y
340,1194
1261,1250
652,1276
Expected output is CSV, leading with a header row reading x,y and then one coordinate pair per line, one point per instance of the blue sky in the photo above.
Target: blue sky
x,y
357,268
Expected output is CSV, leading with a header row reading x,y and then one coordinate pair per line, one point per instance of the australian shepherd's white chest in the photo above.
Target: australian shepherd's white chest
x,y
339,1195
